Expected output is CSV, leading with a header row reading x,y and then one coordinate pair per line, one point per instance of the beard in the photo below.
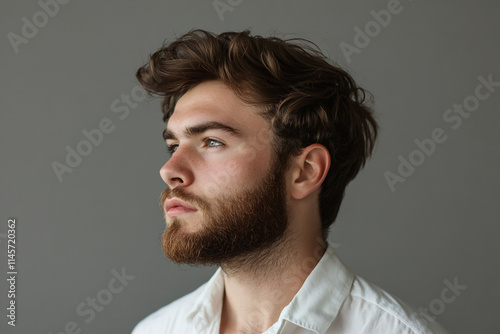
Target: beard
x,y
237,230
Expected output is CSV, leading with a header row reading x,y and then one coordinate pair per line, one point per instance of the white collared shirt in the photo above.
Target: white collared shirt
x,y
331,300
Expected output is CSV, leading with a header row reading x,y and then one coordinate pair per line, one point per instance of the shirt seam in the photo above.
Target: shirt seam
x,y
391,313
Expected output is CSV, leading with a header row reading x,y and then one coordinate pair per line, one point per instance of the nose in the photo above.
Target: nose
x,y
177,172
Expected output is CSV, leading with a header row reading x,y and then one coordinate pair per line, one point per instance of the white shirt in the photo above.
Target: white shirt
x,y
331,300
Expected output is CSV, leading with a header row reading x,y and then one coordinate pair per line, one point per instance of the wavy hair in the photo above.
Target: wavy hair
x,y
306,99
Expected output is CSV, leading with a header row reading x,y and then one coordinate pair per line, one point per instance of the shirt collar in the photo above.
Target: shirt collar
x,y
314,307
207,308
319,299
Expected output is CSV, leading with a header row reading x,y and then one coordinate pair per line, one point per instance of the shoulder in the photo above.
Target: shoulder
x,y
169,317
381,312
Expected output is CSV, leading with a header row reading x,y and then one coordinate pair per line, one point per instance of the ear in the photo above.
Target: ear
x,y
309,170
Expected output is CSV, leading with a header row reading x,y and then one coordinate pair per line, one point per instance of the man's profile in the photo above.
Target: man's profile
x,y
265,135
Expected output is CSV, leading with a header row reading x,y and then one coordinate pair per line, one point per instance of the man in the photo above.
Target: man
x,y
264,136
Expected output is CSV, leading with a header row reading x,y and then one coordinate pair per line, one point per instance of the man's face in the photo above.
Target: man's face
x,y
226,196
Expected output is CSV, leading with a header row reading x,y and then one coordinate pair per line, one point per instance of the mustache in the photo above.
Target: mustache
x,y
183,195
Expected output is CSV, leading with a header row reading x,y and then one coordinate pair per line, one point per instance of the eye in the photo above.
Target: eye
x,y
172,148
210,143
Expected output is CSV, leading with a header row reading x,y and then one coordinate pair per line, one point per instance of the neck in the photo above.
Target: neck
x,y
259,285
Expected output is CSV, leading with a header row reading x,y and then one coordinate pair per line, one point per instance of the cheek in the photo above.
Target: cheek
x,y
235,175
251,166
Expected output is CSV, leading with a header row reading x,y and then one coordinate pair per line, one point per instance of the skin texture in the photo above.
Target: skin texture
x,y
203,172
239,231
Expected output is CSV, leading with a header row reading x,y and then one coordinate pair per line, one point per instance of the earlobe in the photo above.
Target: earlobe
x,y
311,168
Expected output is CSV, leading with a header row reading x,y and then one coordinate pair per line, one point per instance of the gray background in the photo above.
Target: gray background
x,y
440,224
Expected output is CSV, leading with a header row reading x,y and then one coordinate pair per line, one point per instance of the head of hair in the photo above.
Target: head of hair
x,y
305,98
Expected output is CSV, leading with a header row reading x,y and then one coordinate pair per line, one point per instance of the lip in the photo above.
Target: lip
x,y
175,207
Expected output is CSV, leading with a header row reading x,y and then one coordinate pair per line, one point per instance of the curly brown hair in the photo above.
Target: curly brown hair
x,y
306,99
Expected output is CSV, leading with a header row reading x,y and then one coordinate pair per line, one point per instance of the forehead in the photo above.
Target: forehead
x,y
214,101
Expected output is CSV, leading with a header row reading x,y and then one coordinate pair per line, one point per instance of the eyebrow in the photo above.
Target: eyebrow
x,y
200,128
